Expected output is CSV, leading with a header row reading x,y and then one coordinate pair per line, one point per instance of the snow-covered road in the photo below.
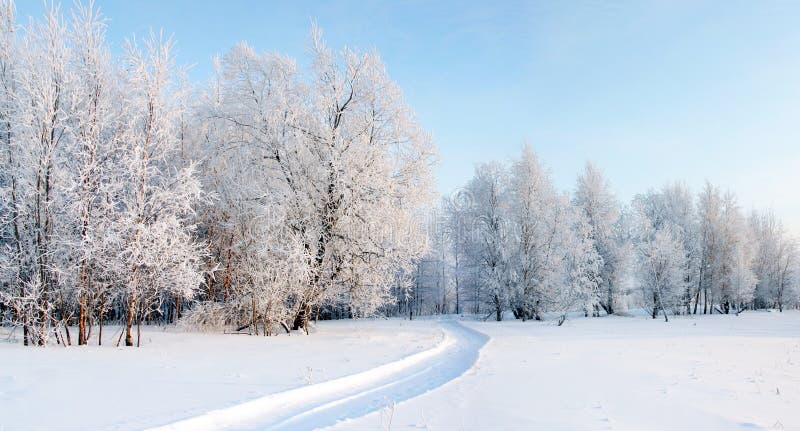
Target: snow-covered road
x,y
327,403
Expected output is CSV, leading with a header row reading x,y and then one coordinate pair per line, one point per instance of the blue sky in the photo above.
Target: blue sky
x,y
650,91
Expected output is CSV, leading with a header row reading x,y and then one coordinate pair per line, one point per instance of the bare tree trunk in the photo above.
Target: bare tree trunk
x,y
178,307
100,316
255,315
129,321
17,238
655,304
66,330
226,285
139,330
455,276
302,317
89,326
82,337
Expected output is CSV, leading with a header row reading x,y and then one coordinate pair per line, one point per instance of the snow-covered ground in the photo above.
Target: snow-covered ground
x,y
176,375
619,373
710,373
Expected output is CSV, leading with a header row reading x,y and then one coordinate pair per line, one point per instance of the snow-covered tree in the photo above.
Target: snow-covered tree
x,y
737,280
662,267
39,129
673,206
339,163
433,278
159,255
489,209
93,178
709,209
458,227
582,274
11,283
725,253
549,245
370,166
774,260
788,286
85,168
594,198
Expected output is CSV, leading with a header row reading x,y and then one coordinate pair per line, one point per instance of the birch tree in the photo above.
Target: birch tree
x,y
737,280
458,230
673,205
661,269
12,287
39,132
541,232
93,179
594,198
661,257
489,215
774,260
160,254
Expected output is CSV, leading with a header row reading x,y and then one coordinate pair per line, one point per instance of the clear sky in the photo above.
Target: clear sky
x,y
651,91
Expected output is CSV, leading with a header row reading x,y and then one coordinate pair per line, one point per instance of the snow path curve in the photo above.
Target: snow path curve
x,y
324,404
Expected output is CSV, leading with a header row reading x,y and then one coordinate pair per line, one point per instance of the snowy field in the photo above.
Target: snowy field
x,y
175,375
618,373
710,373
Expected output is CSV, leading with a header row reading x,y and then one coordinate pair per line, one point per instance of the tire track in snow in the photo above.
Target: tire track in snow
x,y
324,404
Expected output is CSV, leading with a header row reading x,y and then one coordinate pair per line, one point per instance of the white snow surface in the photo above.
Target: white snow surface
x,y
314,406
618,373
177,375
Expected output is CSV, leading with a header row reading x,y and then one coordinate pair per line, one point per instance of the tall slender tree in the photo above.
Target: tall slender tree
x,y
594,198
